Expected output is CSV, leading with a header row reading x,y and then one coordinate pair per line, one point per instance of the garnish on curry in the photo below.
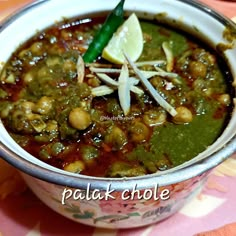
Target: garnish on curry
x,y
113,120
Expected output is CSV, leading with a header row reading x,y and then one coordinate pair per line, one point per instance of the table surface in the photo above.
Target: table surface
x,y
23,214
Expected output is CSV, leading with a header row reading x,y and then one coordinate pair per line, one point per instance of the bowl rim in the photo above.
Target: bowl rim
x,y
82,181
199,5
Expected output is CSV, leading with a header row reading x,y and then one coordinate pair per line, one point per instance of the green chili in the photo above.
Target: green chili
x,y
113,21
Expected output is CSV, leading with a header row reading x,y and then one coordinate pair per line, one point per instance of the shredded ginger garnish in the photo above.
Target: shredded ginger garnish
x,y
80,69
125,85
161,101
124,89
169,56
126,81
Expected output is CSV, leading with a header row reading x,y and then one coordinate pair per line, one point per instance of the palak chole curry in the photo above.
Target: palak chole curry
x,y
114,115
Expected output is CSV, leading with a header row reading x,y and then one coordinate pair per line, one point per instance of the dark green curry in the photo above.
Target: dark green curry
x,y
78,124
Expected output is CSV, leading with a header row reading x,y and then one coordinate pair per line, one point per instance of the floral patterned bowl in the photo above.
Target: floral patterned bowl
x,y
125,202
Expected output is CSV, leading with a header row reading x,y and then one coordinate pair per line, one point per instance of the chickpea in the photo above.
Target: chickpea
x,y
208,92
44,105
43,72
201,85
37,48
184,115
75,167
79,118
116,137
94,82
52,126
139,132
52,61
224,99
69,65
157,82
24,53
154,117
4,113
66,34
27,106
197,69
28,77
202,55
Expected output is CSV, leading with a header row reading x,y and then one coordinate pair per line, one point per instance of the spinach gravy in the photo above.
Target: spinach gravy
x,y
63,112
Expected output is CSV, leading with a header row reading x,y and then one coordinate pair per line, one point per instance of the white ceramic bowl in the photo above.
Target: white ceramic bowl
x,y
70,194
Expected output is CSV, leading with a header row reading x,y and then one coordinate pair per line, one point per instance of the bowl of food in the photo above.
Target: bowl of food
x,y
116,112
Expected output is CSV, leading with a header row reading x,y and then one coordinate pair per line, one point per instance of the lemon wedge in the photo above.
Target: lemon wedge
x,y
128,38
